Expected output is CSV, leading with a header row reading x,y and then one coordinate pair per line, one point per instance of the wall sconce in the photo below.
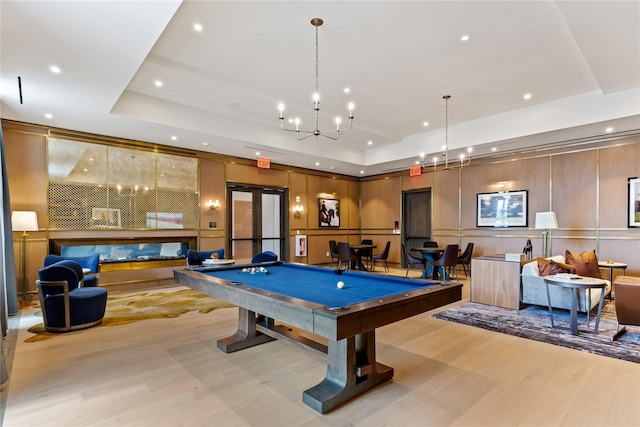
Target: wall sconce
x,y
213,205
502,184
297,210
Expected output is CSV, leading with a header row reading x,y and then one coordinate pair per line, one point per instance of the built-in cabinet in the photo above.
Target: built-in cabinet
x,y
496,281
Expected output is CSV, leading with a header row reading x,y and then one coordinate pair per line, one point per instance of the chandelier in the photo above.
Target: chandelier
x,y
304,134
464,160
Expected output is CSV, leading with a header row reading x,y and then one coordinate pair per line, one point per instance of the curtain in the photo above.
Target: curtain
x,y
9,286
8,281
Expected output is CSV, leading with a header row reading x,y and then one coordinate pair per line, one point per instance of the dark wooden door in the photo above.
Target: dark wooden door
x,y
416,218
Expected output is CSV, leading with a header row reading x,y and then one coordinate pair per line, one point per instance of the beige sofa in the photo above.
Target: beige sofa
x,y
534,290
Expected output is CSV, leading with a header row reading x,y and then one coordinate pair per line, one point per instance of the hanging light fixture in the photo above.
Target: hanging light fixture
x,y
304,134
464,160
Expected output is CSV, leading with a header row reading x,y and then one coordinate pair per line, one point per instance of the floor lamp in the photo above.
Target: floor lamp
x,y
24,221
546,221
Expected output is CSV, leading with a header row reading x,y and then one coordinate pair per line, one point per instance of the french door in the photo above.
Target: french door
x,y
258,220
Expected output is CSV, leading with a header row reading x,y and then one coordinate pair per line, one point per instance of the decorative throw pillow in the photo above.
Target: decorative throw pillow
x,y
586,264
549,267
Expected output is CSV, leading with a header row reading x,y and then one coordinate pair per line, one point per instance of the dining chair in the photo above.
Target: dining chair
x,y
430,244
333,251
382,257
465,258
411,260
367,253
448,260
345,254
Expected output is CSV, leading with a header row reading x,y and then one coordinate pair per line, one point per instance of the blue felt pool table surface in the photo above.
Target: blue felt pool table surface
x,y
319,285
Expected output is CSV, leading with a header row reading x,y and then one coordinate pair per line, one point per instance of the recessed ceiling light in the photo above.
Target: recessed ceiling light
x,y
91,159
464,38
174,138
48,116
317,163
347,90
205,143
158,83
425,124
332,167
609,129
417,162
527,96
257,153
370,143
494,149
361,172
84,170
197,27
54,69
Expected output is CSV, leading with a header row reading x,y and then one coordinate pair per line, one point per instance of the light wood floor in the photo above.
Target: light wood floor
x,y
168,372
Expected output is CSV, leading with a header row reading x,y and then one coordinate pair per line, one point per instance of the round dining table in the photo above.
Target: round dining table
x,y
430,255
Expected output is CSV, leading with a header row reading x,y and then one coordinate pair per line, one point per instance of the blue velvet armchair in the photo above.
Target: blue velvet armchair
x,y
264,257
195,258
91,262
66,306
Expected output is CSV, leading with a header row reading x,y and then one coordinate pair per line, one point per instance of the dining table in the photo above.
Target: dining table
x,y
360,249
430,255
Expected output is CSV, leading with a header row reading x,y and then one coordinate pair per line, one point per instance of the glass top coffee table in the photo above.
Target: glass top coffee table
x,y
575,283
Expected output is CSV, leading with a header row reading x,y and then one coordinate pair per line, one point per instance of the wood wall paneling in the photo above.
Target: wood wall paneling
x,y
254,175
381,203
617,165
212,187
298,188
445,194
27,171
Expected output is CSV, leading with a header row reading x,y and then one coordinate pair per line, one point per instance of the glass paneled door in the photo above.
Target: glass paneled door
x,y
257,221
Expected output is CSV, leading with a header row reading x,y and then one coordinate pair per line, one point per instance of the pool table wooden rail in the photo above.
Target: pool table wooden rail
x,y
313,317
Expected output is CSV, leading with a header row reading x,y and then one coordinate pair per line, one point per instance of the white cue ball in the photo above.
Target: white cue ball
x,y
340,285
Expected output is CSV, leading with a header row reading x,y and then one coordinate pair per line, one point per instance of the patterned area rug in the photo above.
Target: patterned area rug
x,y
133,308
533,322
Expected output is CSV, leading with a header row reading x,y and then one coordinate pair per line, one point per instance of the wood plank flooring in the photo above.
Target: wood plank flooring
x,y
168,372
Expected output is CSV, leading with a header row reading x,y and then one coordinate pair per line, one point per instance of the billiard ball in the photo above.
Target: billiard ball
x,y
340,285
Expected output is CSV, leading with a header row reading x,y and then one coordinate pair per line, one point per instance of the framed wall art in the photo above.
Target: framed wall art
x,y
329,212
633,210
502,209
106,218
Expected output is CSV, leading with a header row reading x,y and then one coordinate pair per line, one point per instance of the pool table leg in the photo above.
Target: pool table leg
x,y
246,336
351,370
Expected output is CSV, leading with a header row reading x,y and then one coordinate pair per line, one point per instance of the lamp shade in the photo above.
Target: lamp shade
x,y
24,221
546,220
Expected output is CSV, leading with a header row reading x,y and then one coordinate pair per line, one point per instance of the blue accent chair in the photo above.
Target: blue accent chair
x,y
266,256
66,306
92,262
195,258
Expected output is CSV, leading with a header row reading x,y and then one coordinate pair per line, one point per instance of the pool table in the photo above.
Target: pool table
x,y
306,297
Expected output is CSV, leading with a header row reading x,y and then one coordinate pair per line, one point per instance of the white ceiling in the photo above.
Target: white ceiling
x,y
579,60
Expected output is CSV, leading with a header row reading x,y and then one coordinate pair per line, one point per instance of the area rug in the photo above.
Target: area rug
x,y
161,305
533,322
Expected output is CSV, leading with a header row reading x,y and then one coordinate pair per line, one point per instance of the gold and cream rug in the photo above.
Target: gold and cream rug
x,y
142,306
